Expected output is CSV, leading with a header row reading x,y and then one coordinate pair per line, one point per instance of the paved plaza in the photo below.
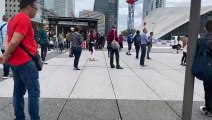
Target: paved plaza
x,y
98,92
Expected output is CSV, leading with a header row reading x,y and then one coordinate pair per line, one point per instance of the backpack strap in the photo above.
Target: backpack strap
x,y
2,33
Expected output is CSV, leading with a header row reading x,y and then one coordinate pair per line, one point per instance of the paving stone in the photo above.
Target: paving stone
x,y
87,109
196,114
146,110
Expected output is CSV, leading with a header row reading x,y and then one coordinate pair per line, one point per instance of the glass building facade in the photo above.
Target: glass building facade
x,y
110,9
150,5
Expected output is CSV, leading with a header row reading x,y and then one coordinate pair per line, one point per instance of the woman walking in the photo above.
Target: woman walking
x,y
43,41
92,43
61,41
185,43
77,46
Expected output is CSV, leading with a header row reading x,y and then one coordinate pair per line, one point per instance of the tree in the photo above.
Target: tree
x,y
124,32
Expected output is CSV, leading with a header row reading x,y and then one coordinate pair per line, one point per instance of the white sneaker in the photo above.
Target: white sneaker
x,y
44,62
204,111
6,77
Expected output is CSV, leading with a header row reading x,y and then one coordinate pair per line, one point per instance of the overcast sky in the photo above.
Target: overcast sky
x,y
123,9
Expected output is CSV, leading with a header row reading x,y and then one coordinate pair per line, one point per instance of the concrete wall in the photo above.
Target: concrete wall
x,y
2,8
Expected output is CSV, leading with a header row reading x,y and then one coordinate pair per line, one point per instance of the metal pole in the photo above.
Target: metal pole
x,y
194,26
56,32
153,26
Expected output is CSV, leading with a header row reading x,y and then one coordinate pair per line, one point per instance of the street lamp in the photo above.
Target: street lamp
x,y
153,26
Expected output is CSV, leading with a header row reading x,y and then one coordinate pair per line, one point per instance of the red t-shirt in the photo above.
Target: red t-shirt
x,y
111,35
21,23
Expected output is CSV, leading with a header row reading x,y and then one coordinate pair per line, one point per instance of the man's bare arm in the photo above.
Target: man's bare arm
x,y
11,46
6,42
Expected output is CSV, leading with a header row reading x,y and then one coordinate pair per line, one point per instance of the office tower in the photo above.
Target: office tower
x,y
110,9
150,5
64,8
160,3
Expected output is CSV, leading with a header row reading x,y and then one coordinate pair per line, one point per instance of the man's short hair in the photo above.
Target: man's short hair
x,y
151,33
78,28
208,26
25,3
5,18
137,32
91,31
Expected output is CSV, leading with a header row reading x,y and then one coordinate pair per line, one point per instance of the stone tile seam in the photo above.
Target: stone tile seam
x,y
71,91
113,89
143,81
152,89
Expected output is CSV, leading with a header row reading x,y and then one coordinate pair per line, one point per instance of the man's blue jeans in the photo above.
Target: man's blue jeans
x,y
26,78
143,54
77,53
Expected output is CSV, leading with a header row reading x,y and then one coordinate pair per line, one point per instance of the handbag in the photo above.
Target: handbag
x,y
36,58
115,44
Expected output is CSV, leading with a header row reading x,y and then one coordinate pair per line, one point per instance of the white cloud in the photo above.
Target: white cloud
x,y
123,9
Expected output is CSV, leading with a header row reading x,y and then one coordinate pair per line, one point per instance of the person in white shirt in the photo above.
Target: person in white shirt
x,y
3,33
185,43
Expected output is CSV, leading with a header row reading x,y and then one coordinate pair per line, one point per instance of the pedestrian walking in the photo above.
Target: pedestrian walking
x,y
92,43
68,36
113,38
70,40
101,40
77,46
137,42
129,42
121,39
108,48
3,33
149,44
25,72
185,45
61,41
144,40
43,41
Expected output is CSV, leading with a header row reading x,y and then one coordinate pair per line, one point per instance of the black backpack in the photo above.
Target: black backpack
x,y
137,39
202,65
1,30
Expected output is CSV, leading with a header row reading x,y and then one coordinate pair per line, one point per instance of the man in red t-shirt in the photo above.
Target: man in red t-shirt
x,y
112,35
25,72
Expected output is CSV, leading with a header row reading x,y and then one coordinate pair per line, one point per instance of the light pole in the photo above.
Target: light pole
x,y
193,31
153,26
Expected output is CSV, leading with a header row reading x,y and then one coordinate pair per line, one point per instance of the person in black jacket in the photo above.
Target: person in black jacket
x,y
137,42
207,84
